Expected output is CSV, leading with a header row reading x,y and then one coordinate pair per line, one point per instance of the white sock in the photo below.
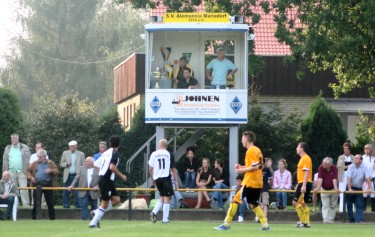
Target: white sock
x,y
99,213
166,208
157,207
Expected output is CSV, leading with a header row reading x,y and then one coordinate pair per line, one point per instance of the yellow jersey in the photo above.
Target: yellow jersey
x,y
304,164
253,179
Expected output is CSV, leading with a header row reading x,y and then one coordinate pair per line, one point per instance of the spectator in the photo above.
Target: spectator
x,y
71,161
33,158
43,173
357,174
87,177
220,67
188,82
221,181
304,179
343,163
282,180
242,207
16,159
190,166
178,71
369,162
327,181
8,191
267,183
204,179
102,148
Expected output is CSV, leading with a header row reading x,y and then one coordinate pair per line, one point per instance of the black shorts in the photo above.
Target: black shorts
x,y
252,195
298,197
107,188
164,186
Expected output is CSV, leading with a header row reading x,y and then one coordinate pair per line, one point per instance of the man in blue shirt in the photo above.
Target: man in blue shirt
x,y
220,67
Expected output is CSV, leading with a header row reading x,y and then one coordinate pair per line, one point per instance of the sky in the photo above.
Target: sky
x,y
8,26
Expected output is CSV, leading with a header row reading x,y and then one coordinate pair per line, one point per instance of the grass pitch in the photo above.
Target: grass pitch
x,y
69,228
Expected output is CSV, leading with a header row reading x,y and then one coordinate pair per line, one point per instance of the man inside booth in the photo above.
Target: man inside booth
x,y
220,67
178,72
187,82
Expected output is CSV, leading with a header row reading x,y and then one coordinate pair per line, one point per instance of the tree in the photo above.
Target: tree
x,y
71,46
11,118
276,133
335,35
323,131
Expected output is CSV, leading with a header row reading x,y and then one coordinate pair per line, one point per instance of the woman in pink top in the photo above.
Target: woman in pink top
x,y
282,180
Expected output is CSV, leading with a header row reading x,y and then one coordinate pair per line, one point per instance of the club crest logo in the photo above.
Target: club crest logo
x,y
236,105
155,104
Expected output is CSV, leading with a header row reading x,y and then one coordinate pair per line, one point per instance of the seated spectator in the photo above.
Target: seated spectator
x,y
188,82
204,178
8,191
282,180
221,181
189,167
242,207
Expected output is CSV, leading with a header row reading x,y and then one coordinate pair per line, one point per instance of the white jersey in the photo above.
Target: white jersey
x,y
108,157
160,161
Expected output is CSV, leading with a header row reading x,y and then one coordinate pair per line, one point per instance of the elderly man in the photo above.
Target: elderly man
x,y
42,173
16,160
71,161
220,67
327,181
357,174
102,148
8,190
87,177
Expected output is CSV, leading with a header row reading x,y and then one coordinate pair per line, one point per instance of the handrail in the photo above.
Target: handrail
x,y
137,152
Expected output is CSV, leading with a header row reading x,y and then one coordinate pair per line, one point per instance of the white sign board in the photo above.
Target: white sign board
x,y
196,106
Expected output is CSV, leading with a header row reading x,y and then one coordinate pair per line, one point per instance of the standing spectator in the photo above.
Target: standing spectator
x,y
304,179
71,161
161,165
190,166
369,162
204,179
327,181
282,180
102,148
221,179
357,175
251,184
107,187
8,191
242,207
315,196
343,163
220,67
87,177
43,173
33,158
16,160
267,183
177,196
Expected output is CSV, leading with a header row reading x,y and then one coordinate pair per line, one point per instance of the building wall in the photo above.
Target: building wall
x,y
288,104
127,108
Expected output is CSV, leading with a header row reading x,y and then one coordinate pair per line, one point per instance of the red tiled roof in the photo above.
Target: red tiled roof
x,y
266,43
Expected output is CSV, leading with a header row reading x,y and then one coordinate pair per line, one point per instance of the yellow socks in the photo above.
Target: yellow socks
x,y
231,213
259,213
301,213
306,212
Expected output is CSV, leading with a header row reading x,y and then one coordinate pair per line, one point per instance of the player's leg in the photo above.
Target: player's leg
x,y
105,194
252,196
298,204
166,193
306,210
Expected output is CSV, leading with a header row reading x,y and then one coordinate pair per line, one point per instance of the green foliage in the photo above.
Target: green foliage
x,y
71,46
10,117
365,133
335,35
276,134
323,131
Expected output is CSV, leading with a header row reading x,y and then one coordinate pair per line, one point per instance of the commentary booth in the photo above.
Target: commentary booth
x,y
196,37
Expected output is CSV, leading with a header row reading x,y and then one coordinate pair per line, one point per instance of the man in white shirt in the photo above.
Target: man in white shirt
x,y
161,165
